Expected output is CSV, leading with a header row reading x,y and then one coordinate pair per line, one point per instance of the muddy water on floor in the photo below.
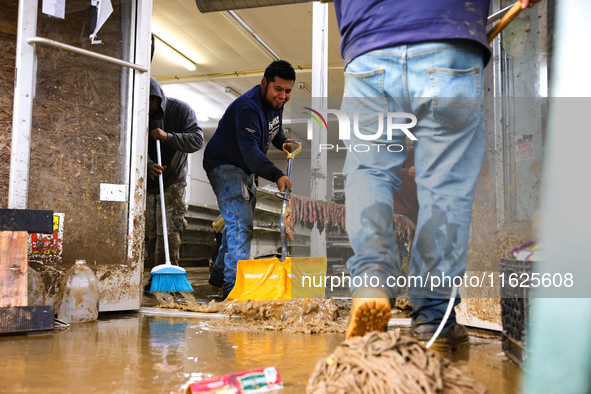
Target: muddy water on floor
x,y
148,354
485,362
135,353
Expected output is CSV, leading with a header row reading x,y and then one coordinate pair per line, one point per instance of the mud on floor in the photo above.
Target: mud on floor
x,y
311,315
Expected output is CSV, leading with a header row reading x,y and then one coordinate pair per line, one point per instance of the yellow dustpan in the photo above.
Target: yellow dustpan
x,y
272,279
278,279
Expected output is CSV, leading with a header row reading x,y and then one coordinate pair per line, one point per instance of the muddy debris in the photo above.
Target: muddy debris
x,y
305,315
168,301
402,303
388,363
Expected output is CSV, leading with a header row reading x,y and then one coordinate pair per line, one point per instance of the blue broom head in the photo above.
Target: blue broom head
x,y
169,279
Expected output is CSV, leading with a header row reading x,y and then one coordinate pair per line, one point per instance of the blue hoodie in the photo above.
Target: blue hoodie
x,y
244,134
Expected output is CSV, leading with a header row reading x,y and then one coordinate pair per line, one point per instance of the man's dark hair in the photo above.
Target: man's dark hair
x,y
281,69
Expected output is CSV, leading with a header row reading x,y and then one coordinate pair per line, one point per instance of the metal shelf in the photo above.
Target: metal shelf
x,y
269,210
269,229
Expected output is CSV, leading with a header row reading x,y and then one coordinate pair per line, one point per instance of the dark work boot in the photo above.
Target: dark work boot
x,y
226,292
216,279
457,337
215,282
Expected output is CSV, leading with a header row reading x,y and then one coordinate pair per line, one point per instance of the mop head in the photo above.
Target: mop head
x,y
169,279
388,363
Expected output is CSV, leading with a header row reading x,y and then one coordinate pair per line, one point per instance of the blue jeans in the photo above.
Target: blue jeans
x,y
236,194
441,84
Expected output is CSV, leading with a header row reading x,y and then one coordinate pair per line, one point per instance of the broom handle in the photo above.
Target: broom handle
x,y
509,16
162,206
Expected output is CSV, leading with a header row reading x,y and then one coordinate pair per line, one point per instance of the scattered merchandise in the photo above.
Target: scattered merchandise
x,y
260,380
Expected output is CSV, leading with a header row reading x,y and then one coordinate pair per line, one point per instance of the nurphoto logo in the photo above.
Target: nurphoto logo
x,y
344,123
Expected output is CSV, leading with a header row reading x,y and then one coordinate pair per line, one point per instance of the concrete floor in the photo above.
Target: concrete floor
x,y
133,353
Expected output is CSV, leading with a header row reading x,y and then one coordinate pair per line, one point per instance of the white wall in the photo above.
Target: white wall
x,y
198,188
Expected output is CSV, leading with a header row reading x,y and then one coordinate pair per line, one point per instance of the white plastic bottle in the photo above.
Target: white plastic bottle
x,y
79,294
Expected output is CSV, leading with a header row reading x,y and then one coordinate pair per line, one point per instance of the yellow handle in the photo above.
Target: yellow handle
x,y
505,20
292,154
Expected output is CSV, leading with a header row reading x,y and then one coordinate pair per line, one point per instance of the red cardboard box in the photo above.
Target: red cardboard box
x,y
217,385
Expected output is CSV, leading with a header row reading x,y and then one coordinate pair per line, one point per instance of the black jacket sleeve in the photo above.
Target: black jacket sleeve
x,y
189,138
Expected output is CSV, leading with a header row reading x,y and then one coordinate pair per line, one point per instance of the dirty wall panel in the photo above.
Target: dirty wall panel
x,y
507,201
8,27
514,173
79,135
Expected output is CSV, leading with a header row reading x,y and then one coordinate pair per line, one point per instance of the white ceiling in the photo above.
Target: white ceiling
x,y
217,46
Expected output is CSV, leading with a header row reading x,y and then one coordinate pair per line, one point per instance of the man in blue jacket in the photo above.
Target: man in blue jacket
x,y
235,153
425,58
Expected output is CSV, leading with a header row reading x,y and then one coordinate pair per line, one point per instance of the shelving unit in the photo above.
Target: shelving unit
x,y
199,240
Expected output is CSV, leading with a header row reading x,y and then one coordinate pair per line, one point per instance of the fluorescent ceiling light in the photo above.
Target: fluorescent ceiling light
x,y
176,42
172,53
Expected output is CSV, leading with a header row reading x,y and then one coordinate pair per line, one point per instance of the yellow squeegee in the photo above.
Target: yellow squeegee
x,y
278,279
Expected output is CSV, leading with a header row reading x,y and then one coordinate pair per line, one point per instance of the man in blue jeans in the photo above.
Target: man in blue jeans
x,y
424,58
235,153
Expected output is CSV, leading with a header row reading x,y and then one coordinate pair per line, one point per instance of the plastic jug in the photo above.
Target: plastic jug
x,y
79,295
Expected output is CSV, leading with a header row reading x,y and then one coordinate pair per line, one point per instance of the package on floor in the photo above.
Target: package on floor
x,y
260,380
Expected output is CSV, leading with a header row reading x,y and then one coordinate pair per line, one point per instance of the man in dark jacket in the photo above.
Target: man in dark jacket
x,y
175,124
235,153
425,58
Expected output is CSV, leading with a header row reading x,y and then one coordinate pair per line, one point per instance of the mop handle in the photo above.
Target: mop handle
x,y
162,206
509,16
